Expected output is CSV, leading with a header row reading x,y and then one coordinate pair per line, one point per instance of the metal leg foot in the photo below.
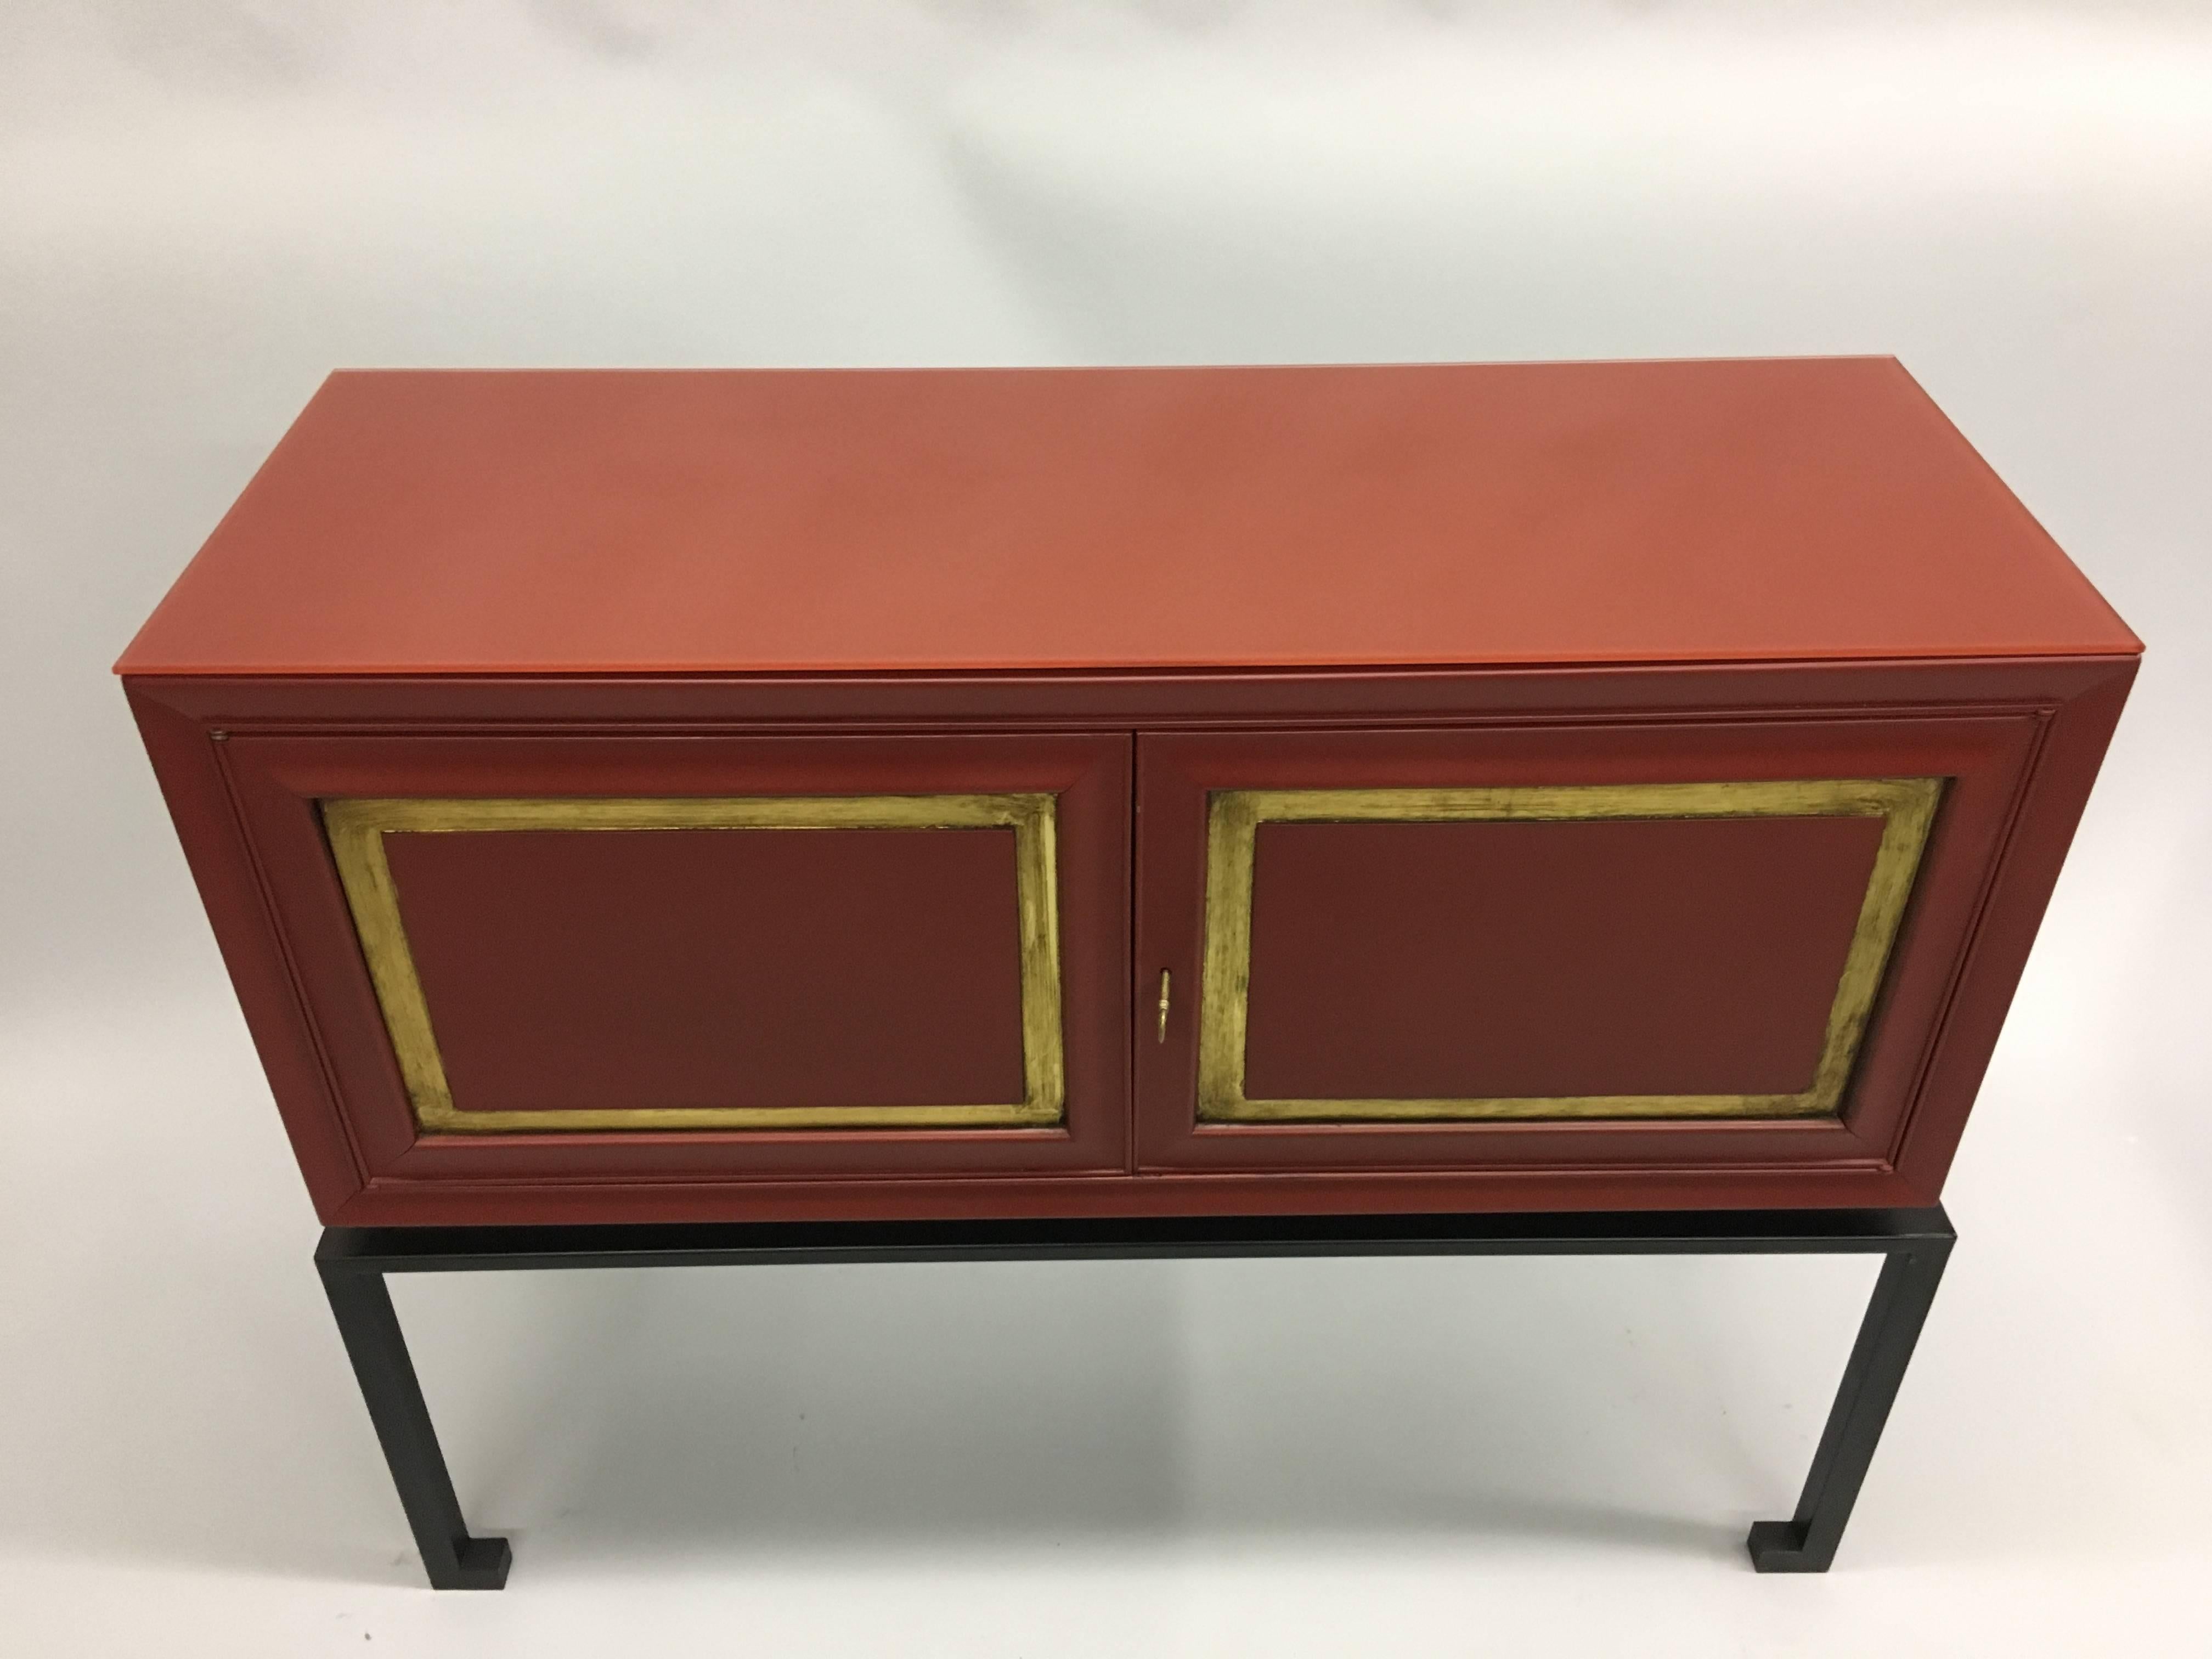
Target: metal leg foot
x,y
1806,1543
373,1341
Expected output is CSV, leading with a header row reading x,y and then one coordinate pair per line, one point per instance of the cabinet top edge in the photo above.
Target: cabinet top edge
x,y
2058,658
1466,517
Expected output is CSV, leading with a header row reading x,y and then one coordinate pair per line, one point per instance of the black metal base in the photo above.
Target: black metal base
x,y
353,1261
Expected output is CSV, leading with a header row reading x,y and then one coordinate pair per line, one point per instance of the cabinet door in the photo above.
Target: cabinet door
x,y
1658,945
534,957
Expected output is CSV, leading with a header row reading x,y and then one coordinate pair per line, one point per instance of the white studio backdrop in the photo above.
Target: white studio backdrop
x,y
205,207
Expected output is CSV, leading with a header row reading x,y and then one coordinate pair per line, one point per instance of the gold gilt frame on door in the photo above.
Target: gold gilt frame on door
x,y
357,828
1906,805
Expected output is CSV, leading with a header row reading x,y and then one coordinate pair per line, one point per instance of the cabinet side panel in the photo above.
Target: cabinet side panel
x,y
2075,736
187,764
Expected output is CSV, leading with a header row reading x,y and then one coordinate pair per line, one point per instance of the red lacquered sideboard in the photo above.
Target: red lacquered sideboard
x,y
910,796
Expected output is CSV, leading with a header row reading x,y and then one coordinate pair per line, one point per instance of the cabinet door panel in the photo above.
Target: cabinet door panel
x,y
1522,945
607,956
1570,966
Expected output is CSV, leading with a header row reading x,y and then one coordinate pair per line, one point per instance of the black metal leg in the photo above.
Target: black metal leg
x,y
378,1348
354,1261
1807,1543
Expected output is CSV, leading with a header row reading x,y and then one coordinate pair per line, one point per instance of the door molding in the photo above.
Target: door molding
x,y
356,827
1907,807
